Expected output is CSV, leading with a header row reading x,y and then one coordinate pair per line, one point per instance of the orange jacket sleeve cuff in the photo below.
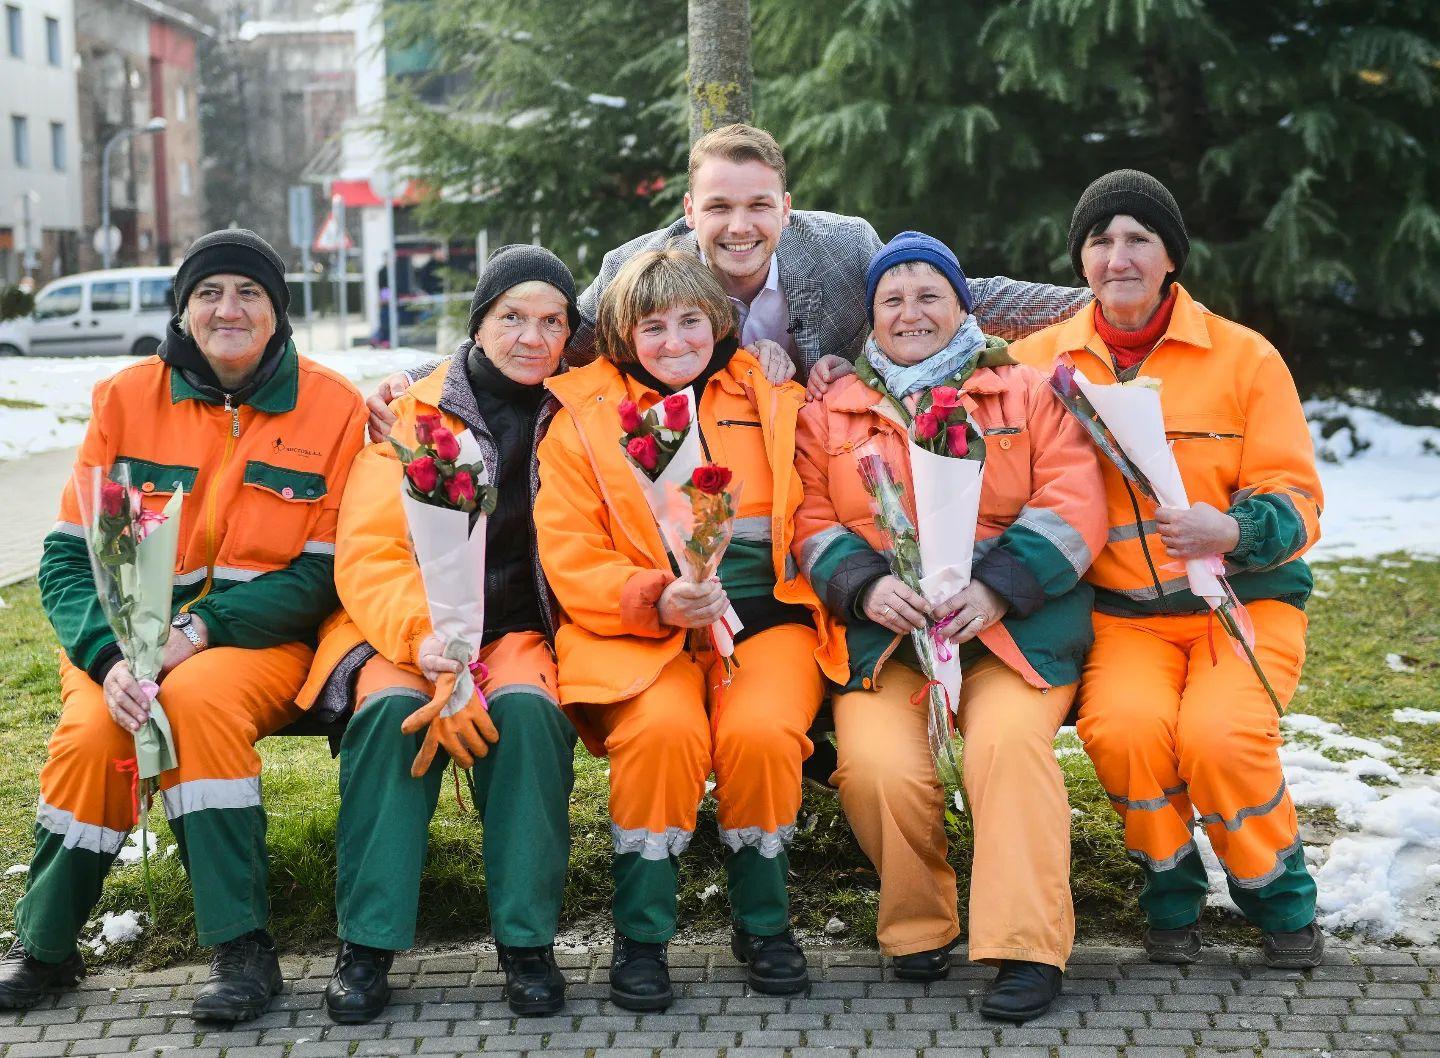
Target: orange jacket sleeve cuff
x,y
639,603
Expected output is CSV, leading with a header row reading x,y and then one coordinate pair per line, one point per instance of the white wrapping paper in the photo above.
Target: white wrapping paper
x,y
452,566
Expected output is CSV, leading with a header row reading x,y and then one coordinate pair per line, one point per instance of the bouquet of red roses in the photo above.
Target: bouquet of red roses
x,y
436,474
941,425
694,503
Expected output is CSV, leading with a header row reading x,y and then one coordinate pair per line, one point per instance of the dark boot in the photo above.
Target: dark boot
x,y
1021,991
932,965
359,985
25,980
244,976
1297,950
640,975
533,983
775,965
1174,946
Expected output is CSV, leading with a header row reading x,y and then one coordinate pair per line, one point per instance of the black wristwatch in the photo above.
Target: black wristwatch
x,y
186,624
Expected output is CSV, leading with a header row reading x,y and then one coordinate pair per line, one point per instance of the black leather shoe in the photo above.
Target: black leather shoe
x,y
25,980
932,965
359,985
1021,991
533,983
1297,950
640,975
244,976
1174,946
774,965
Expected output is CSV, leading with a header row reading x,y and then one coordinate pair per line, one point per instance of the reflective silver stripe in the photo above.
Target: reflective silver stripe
x,y
523,688
1299,492
818,544
791,569
755,529
198,795
650,844
392,692
984,547
1270,875
317,547
1169,862
770,843
1242,495
1147,594
1058,531
1151,804
88,836
231,573
1130,531
69,529
1233,824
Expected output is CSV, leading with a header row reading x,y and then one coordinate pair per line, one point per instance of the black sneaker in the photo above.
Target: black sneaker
x,y
1021,991
1297,950
932,965
25,980
533,983
359,987
775,965
244,977
1174,946
640,975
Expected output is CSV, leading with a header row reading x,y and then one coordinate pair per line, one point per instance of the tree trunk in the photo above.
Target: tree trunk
x,y
719,76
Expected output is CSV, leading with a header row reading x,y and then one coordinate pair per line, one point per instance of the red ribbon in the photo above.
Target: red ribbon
x,y
131,767
924,690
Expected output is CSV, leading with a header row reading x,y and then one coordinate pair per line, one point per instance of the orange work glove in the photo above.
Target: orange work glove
x,y
466,734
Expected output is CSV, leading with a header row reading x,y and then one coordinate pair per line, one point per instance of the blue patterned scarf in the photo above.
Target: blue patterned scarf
x,y
957,358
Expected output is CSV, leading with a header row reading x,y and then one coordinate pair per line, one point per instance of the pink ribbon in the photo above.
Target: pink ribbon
x,y
480,672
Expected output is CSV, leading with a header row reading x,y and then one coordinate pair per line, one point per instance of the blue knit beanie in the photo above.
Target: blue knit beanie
x,y
915,246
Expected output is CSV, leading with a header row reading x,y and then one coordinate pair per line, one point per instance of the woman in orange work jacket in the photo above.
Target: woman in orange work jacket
x,y
1179,727
633,672
1021,628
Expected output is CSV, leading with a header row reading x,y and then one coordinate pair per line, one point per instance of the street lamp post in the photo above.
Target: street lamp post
x,y
153,125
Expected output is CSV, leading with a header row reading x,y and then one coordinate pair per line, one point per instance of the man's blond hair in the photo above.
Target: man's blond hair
x,y
656,281
739,143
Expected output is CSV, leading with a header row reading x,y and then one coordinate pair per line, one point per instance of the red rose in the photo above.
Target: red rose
x,y
956,440
425,427
112,499
629,416
446,447
943,398
645,451
423,474
677,412
460,488
711,478
927,426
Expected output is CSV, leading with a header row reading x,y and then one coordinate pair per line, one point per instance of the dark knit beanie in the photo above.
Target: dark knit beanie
x,y
518,263
915,246
235,251
1135,194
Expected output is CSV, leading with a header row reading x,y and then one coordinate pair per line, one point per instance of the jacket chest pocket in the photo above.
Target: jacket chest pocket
x,y
157,482
1207,449
847,488
278,506
1007,485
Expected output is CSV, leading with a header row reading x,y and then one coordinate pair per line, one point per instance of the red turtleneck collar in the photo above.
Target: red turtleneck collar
x,y
1130,347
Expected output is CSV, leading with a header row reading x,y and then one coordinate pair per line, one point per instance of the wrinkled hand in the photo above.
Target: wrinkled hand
x,y
381,417
827,371
1199,531
124,699
889,602
685,604
465,735
969,612
431,659
774,361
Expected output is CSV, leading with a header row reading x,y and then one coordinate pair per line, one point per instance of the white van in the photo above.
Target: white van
x,y
111,313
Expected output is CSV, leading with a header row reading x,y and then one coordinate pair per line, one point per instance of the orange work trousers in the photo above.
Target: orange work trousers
x,y
1174,730
1020,905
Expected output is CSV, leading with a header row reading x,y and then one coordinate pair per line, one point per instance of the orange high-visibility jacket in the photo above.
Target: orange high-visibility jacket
x,y
1240,438
602,552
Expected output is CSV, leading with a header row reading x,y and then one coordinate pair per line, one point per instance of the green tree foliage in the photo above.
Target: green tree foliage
x,y
561,120
1299,137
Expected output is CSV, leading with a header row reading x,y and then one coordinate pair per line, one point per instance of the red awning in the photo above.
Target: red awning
x,y
359,193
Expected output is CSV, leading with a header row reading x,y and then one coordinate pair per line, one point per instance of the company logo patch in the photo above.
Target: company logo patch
x,y
279,445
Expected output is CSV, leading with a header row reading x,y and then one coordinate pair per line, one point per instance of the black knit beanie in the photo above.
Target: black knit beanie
x,y
518,263
235,251
1137,195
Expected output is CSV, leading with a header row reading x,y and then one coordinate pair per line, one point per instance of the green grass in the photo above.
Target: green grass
x,y
16,402
1367,610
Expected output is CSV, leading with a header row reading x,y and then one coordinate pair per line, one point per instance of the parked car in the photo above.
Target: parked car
x,y
110,313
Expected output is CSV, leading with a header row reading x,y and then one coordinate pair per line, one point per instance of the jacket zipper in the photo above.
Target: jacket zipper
x,y
1195,435
737,422
210,503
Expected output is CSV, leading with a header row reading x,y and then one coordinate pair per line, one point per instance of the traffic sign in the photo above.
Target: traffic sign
x,y
302,216
330,238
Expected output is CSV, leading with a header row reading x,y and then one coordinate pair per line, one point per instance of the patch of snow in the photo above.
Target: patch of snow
x,y
835,927
121,928
1399,663
709,892
616,102
131,852
1415,716
19,868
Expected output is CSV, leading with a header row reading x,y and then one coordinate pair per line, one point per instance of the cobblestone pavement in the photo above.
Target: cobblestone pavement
x,y
1115,1003
36,482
